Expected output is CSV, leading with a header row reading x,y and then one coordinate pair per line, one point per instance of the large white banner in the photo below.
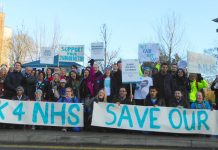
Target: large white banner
x,y
71,53
158,119
202,63
97,51
148,52
130,70
46,55
41,113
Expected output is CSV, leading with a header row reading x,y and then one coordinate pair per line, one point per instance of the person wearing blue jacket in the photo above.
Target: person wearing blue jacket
x,y
69,98
200,102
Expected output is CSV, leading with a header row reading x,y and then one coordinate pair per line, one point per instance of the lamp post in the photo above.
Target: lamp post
x,y
216,20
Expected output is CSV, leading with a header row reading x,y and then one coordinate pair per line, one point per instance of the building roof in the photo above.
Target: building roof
x,y
36,64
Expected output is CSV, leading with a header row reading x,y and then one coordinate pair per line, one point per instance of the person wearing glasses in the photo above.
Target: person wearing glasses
x,y
123,98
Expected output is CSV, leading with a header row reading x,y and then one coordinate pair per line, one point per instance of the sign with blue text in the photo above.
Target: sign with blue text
x,y
46,55
202,63
148,52
158,119
130,70
41,113
71,53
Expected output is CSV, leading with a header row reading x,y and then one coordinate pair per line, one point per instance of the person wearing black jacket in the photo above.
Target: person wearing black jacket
x,y
164,83
182,83
123,98
13,80
178,100
153,98
214,87
117,81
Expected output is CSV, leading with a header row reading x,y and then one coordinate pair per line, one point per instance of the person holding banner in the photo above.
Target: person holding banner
x,y
87,92
200,103
142,87
38,98
164,83
20,95
123,98
153,98
179,100
69,98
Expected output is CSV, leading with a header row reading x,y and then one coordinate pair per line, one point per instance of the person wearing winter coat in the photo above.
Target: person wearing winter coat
x,y
123,97
164,83
214,87
53,88
182,83
200,102
74,83
69,98
153,98
98,82
179,100
13,80
20,95
30,84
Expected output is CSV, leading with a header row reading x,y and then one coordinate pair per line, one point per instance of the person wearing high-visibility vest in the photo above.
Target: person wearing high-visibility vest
x,y
197,83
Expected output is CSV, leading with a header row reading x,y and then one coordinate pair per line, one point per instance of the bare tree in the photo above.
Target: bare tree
x,y
45,39
21,46
110,56
170,34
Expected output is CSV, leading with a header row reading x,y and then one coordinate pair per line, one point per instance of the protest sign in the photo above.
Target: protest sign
x,y
202,63
71,53
148,52
46,55
41,113
158,119
130,70
182,64
97,51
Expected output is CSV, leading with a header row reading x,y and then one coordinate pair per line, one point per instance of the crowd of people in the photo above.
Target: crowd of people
x,y
164,85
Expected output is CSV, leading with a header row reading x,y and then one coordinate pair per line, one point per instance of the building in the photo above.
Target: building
x,y
5,36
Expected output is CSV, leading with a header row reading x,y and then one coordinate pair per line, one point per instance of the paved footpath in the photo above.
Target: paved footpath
x,y
137,139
